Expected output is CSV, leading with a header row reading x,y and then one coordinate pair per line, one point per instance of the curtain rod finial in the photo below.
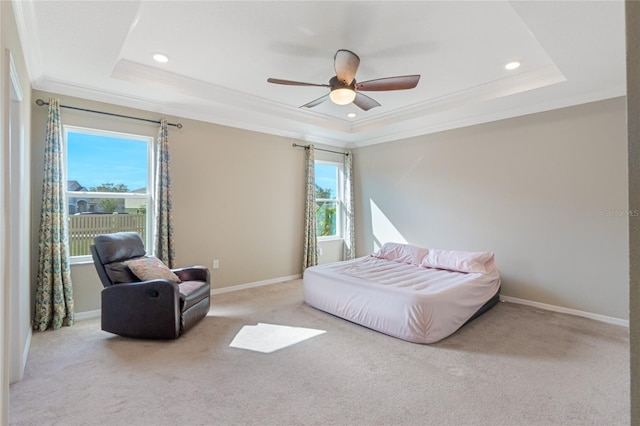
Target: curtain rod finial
x,y
39,102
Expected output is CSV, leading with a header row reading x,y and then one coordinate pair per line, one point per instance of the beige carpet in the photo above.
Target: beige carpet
x,y
515,365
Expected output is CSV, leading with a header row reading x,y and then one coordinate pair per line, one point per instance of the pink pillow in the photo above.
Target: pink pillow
x,y
151,268
461,261
402,253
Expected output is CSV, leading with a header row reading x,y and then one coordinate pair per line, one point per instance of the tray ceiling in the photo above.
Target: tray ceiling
x,y
221,54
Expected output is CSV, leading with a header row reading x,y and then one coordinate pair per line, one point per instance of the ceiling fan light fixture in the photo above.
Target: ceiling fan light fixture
x,y
342,96
343,88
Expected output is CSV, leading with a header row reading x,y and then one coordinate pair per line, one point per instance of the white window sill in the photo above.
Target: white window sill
x,y
80,261
323,239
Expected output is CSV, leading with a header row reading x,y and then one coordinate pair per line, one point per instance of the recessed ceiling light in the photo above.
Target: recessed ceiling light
x,y
351,114
159,57
512,65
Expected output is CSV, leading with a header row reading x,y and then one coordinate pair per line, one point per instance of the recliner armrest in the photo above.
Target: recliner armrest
x,y
193,273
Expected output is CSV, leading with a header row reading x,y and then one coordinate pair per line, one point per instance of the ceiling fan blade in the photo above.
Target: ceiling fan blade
x,y
316,102
364,102
346,64
293,83
390,83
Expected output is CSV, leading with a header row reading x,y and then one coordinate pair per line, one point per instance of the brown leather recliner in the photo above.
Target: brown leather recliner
x,y
155,309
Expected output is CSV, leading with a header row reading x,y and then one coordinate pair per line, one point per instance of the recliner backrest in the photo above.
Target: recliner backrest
x,y
110,251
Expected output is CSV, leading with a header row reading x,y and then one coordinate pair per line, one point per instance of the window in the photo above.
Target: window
x,y
328,178
108,186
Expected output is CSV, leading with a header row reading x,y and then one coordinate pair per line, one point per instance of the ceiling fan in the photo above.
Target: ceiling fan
x,y
345,89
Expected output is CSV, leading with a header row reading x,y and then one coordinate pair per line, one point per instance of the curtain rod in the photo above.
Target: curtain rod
x,y
295,145
40,102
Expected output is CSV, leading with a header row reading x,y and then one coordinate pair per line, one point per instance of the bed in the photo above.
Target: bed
x,y
415,294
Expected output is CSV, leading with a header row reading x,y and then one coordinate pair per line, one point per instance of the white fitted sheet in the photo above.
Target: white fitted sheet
x,y
414,303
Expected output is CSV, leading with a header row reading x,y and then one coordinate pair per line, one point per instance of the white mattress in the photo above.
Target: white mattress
x,y
414,303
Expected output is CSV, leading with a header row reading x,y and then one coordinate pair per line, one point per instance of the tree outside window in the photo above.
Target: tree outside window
x,y
109,205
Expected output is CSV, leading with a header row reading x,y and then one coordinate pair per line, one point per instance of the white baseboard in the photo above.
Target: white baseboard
x,y
79,316
603,318
255,284
96,314
554,308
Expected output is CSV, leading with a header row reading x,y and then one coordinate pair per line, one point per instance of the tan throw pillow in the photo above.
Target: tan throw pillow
x,y
151,268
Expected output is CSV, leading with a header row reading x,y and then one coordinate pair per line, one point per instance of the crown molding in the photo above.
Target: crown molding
x,y
211,93
295,130
230,108
220,114
29,39
470,119
519,83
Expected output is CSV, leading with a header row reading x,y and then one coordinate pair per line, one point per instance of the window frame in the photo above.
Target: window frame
x,y
149,196
339,200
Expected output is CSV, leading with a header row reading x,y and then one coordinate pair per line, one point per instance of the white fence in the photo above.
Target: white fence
x,y
83,227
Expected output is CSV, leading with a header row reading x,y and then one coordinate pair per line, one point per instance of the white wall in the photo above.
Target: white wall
x,y
16,241
19,223
4,294
546,192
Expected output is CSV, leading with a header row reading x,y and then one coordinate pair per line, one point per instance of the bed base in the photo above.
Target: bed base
x,y
484,308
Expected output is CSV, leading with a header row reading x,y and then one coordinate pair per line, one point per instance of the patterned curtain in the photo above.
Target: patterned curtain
x,y
54,291
165,247
349,229
310,238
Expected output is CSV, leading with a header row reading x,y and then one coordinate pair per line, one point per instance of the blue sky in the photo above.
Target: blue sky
x,y
92,161
326,177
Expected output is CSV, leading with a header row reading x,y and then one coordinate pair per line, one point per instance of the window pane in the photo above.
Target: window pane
x,y
325,218
326,180
98,166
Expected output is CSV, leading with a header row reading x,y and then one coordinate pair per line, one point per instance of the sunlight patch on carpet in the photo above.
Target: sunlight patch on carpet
x,y
267,338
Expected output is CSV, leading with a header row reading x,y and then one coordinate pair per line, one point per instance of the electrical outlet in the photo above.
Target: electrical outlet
x,y
216,263
319,251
